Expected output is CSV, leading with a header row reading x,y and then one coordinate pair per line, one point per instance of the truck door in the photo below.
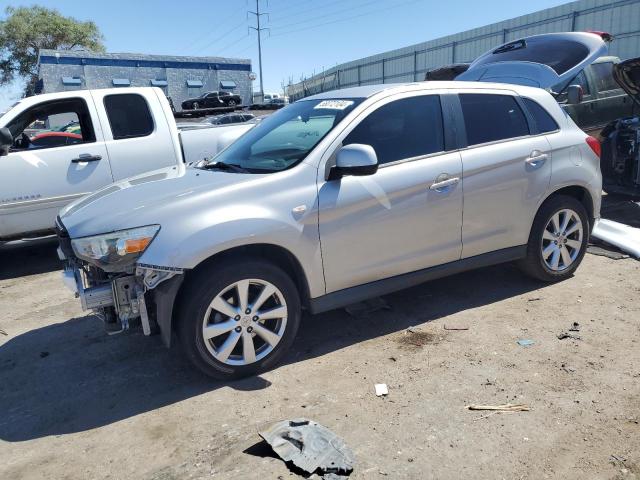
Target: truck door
x,y
613,103
139,136
58,155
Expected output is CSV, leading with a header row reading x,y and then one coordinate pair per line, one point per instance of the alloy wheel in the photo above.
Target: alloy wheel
x,y
562,240
244,322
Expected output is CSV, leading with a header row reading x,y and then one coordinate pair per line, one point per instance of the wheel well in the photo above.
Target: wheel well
x,y
280,256
582,195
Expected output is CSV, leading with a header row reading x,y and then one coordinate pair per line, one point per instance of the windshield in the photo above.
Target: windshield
x,y
285,138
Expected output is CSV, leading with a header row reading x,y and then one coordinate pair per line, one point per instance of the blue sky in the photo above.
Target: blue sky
x,y
305,35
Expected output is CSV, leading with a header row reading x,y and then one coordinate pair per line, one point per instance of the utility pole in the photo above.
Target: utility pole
x,y
259,31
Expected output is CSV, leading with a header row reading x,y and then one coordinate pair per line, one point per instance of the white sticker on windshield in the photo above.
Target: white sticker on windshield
x,y
334,104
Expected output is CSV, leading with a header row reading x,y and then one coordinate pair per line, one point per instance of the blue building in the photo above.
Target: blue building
x,y
179,77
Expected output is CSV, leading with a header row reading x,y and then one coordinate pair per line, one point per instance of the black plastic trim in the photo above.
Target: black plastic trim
x,y
351,295
164,296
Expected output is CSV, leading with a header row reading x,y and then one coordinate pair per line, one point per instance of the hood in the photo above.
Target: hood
x,y
627,74
547,61
147,199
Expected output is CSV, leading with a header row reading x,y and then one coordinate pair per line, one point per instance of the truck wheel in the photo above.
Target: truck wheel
x,y
238,318
232,103
558,239
196,105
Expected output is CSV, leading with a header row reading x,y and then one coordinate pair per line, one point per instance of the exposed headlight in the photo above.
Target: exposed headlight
x,y
117,249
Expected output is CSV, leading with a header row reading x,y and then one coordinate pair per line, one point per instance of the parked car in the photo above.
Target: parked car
x,y
117,133
331,200
229,118
212,100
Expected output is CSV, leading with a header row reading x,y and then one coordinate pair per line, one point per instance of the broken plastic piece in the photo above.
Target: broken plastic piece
x,y
624,237
381,389
525,342
311,447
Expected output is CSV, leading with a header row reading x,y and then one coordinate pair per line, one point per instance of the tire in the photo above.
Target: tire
x,y
227,353
196,105
552,253
232,103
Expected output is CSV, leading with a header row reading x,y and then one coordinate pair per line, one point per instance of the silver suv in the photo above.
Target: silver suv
x,y
334,199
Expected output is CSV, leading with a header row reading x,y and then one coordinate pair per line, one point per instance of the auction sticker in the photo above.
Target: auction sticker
x,y
334,104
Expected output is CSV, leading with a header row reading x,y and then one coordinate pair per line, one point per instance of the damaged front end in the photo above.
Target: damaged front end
x,y
104,274
620,159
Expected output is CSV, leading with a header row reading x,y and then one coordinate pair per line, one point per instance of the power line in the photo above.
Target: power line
x,y
314,9
208,33
344,19
353,7
216,40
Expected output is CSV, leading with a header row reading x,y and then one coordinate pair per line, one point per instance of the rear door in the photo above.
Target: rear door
x,y
506,170
40,178
138,134
546,61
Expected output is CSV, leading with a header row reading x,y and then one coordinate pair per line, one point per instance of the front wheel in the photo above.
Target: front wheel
x,y
196,105
232,103
238,318
558,239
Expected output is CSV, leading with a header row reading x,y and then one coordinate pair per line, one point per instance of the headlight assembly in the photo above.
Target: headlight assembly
x,y
112,251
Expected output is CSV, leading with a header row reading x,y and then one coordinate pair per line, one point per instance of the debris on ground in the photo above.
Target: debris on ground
x,y
623,236
2,332
455,327
367,307
575,327
565,335
311,447
44,354
526,342
567,368
534,299
604,252
381,389
507,407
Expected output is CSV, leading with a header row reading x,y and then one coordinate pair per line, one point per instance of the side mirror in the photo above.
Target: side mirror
x,y
6,141
355,159
574,94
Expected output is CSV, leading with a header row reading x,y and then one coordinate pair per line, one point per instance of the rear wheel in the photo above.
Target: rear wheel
x,y
239,318
232,103
196,105
558,239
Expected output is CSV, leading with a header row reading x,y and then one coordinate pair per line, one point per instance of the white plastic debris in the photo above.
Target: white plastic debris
x,y
623,236
381,389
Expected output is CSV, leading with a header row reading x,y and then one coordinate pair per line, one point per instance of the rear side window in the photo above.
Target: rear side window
x,y
603,75
488,117
406,128
544,121
129,116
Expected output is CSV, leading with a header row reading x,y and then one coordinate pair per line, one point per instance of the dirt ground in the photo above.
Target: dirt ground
x,y
75,403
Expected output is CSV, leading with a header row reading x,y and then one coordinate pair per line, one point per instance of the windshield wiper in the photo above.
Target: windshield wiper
x,y
230,167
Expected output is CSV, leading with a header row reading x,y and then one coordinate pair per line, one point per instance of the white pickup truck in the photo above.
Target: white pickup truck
x,y
57,147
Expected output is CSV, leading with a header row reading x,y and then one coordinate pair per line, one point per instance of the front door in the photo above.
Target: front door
x,y
402,218
58,155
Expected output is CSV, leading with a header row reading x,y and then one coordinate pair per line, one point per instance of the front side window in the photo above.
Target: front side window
x,y
544,122
52,124
489,117
603,76
129,116
406,128
285,138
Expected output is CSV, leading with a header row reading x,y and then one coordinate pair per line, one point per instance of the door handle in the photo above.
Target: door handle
x,y
536,158
440,186
86,157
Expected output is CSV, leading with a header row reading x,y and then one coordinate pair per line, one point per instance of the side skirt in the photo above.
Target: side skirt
x,y
347,296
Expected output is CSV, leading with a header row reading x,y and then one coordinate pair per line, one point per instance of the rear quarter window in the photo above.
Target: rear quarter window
x,y
129,115
543,120
491,117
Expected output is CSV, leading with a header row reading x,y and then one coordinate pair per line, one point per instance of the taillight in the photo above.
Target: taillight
x,y
595,145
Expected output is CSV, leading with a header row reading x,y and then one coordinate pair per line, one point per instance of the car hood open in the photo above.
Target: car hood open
x,y
627,74
547,61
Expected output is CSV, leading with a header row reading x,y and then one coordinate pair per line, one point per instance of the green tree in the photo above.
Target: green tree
x,y
26,30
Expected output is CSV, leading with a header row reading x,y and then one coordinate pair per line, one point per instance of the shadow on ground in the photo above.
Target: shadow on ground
x,y
621,209
28,257
70,377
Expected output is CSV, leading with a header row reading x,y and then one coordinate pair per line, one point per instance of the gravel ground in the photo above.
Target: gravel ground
x,y
75,403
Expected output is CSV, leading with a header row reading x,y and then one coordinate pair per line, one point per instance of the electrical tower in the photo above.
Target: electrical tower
x,y
259,30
